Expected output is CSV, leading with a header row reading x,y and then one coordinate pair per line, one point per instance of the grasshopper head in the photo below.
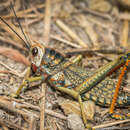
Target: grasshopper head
x,y
37,52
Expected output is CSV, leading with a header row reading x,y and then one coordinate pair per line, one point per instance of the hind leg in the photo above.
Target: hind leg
x,y
111,111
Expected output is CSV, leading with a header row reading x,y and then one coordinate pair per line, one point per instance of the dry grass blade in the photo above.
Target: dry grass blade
x,y
65,41
89,30
73,35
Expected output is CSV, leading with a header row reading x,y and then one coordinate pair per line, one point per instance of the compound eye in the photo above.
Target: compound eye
x,y
34,51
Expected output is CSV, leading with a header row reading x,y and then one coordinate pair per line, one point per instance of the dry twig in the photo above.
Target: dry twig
x,y
124,35
46,38
11,125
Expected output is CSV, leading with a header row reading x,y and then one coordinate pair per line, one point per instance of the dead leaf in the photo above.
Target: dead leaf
x,y
70,107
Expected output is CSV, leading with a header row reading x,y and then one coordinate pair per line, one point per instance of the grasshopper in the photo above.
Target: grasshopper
x,y
48,65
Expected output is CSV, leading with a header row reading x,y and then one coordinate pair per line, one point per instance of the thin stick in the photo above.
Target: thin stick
x,y
46,37
42,107
111,124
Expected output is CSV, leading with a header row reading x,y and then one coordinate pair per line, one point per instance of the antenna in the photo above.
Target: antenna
x,y
26,43
14,31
